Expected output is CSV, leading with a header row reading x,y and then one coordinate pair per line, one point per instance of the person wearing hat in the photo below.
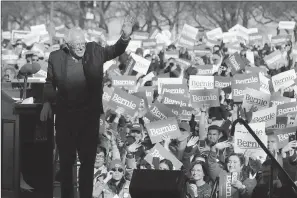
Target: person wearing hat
x,y
74,84
114,184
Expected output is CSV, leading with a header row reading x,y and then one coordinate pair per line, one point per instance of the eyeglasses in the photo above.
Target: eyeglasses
x,y
77,45
117,169
19,44
35,60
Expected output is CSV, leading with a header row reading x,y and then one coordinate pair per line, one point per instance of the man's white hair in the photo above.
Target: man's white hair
x,y
72,33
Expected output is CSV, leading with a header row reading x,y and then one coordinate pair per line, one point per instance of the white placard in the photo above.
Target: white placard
x,y
283,80
286,25
215,34
244,141
201,82
142,65
38,29
169,81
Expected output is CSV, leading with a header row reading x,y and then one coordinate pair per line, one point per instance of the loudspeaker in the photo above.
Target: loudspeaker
x,y
157,184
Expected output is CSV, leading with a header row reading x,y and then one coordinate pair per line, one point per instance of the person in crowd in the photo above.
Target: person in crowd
x,y
78,102
245,184
100,169
114,183
197,185
166,164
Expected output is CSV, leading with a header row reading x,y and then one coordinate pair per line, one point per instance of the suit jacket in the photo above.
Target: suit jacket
x,y
94,58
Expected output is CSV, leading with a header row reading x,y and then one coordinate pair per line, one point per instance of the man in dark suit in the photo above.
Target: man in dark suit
x,y
74,83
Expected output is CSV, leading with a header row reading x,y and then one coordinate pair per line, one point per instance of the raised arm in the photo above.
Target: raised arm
x,y
111,52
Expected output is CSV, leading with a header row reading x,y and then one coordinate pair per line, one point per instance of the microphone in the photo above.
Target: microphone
x,y
29,69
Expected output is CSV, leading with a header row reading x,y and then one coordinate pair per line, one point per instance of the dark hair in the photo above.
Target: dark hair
x,y
101,149
144,163
239,155
168,163
204,169
214,127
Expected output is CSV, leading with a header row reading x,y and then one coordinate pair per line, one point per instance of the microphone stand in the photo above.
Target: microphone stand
x,y
25,87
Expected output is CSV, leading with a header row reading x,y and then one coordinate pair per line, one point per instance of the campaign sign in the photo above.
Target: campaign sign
x,y
171,54
159,151
181,89
215,34
159,111
287,108
283,136
168,81
280,123
284,79
242,81
255,38
277,99
106,96
140,35
235,62
124,81
243,140
267,115
225,186
127,101
256,99
149,92
149,43
185,41
183,62
178,100
208,97
279,39
201,50
205,70
222,82
189,31
201,82
286,25
274,59
159,128
141,64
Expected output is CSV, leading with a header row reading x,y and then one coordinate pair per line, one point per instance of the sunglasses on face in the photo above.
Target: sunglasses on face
x,y
19,44
117,169
138,132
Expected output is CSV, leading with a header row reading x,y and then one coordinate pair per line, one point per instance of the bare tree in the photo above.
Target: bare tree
x,y
209,15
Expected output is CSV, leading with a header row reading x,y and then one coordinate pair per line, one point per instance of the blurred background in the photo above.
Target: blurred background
x,y
150,14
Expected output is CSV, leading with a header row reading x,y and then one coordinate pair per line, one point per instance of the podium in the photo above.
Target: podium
x,y
27,147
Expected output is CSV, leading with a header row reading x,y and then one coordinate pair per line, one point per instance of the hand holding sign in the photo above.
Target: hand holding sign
x,y
237,184
120,111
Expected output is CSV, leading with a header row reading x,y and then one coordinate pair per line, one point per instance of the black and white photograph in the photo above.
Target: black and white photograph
x,y
148,99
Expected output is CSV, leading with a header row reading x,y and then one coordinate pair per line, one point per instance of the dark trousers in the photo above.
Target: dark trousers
x,y
77,132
